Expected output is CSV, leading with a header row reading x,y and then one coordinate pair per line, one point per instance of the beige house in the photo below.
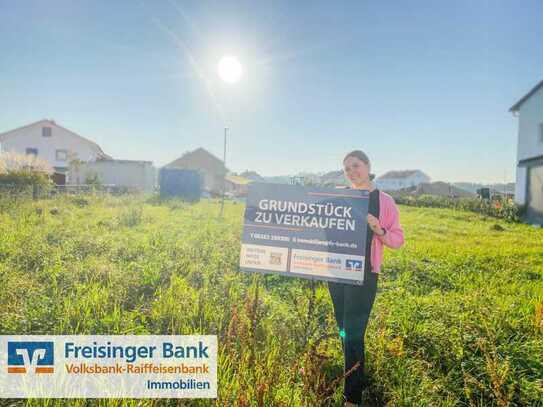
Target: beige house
x,y
236,185
212,169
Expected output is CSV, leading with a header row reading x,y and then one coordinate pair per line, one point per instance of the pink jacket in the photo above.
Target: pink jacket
x,y
389,219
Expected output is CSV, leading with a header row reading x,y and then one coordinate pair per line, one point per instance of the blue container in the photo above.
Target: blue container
x,y
181,183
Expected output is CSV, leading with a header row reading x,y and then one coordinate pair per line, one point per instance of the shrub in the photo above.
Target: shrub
x,y
499,208
24,175
24,178
13,162
93,179
130,217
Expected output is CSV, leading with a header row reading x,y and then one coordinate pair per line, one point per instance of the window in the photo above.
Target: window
x,y
541,132
46,131
62,155
32,151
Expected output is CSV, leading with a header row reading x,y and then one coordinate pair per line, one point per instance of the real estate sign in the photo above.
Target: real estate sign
x,y
315,233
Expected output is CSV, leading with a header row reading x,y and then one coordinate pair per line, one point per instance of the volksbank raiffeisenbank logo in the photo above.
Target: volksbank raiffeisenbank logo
x,y
31,357
353,265
139,366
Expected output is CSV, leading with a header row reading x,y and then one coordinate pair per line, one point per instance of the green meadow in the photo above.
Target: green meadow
x,y
458,319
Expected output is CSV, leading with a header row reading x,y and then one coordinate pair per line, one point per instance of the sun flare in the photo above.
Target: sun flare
x,y
230,69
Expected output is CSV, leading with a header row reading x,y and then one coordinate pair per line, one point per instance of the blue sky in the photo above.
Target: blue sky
x,y
415,84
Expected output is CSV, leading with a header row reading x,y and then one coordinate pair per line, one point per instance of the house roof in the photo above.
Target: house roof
x,y
251,175
143,162
399,174
516,106
236,179
53,123
199,152
531,161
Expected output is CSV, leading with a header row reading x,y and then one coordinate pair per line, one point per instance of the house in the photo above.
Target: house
x,y
529,182
132,175
394,180
252,176
53,143
211,168
236,185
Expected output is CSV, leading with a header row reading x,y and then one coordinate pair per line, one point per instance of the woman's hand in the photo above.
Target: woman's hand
x,y
373,222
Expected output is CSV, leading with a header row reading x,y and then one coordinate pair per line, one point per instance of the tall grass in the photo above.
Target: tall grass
x,y
458,319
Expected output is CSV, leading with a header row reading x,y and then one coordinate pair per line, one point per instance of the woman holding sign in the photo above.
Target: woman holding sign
x,y
352,303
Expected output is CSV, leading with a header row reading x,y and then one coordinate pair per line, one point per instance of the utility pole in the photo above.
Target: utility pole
x,y
224,176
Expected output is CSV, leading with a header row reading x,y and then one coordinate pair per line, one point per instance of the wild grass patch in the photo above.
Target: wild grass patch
x,y
458,318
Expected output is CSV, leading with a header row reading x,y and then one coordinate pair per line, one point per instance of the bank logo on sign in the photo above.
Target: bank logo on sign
x,y
353,265
31,357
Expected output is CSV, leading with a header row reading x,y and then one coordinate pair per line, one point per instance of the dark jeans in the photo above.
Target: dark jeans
x,y
352,307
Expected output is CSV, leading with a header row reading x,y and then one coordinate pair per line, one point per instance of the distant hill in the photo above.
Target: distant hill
x,y
279,179
437,188
331,178
334,178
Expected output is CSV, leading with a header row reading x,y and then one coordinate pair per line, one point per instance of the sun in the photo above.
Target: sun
x,y
230,69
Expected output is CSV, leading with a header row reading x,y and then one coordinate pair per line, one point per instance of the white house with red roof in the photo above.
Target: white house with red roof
x,y
395,180
529,182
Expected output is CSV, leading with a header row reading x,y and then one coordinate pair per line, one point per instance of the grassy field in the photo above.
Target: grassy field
x,y
458,319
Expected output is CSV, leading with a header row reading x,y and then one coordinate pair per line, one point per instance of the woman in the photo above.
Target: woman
x,y
352,303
